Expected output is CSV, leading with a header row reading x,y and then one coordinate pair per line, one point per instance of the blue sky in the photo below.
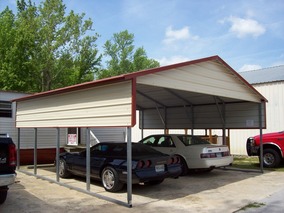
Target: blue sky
x,y
247,34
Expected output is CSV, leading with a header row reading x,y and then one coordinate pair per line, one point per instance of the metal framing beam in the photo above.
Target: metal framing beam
x,y
129,167
57,153
152,99
178,96
260,136
18,149
88,160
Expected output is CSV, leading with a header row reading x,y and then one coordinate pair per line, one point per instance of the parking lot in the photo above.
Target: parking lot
x,y
217,191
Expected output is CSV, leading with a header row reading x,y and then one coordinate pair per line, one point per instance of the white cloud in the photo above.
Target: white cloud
x,y
245,27
172,60
248,67
177,35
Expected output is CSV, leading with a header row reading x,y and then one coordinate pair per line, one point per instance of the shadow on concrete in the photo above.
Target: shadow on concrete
x,y
170,189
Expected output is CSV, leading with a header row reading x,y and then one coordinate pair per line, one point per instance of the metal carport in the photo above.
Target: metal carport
x,y
200,94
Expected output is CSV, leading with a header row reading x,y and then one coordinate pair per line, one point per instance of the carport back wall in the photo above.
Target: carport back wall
x,y
238,116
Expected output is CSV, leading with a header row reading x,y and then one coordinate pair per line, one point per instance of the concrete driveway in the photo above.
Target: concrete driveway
x,y
217,191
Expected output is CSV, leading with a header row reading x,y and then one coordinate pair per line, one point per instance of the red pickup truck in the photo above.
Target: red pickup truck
x,y
273,148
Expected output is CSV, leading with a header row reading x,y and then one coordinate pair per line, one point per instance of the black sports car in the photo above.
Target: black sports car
x,y
109,164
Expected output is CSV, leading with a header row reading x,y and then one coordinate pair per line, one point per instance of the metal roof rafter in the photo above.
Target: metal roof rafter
x,y
221,112
178,96
152,99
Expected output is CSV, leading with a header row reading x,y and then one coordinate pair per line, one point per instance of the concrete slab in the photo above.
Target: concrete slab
x,y
217,191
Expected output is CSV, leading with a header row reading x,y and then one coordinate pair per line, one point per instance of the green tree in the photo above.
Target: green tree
x,y
123,58
48,49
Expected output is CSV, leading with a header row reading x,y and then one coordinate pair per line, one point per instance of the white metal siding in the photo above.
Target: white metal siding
x,y
46,138
104,134
208,78
274,93
108,105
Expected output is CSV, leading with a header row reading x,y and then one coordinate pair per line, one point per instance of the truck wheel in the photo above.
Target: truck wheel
x,y
271,158
3,194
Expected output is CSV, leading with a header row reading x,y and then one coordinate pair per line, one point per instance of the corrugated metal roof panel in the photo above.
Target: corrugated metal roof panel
x,y
266,75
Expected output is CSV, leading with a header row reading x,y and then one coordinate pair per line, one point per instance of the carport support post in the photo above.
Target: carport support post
x,y
57,153
129,167
88,171
35,153
142,124
18,150
260,137
224,124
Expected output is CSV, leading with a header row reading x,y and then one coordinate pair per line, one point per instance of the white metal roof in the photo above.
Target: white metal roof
x,y
266,75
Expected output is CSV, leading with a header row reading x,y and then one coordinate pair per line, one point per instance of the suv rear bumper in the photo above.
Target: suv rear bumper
x,y
7,179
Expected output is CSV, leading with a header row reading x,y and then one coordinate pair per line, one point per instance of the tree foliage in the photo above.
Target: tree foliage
x,y
123,58
42,48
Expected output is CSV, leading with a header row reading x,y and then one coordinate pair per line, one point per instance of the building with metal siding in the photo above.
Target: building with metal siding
x,y
270,83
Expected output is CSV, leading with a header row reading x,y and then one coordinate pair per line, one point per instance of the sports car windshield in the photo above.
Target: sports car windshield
x,y
189,140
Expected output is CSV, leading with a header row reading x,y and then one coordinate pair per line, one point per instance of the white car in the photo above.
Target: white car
x,y
195,152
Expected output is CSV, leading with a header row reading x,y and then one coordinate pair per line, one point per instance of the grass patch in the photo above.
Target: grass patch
x,y
251,205
244,162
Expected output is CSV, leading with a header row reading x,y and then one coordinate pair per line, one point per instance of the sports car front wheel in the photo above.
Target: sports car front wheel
x,y
110,180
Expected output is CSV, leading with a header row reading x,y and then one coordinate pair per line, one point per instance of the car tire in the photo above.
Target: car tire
x,y
184,167
271,158
3,194
63,172
111,180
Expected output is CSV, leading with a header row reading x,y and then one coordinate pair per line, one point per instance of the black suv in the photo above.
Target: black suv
x,y
8,162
